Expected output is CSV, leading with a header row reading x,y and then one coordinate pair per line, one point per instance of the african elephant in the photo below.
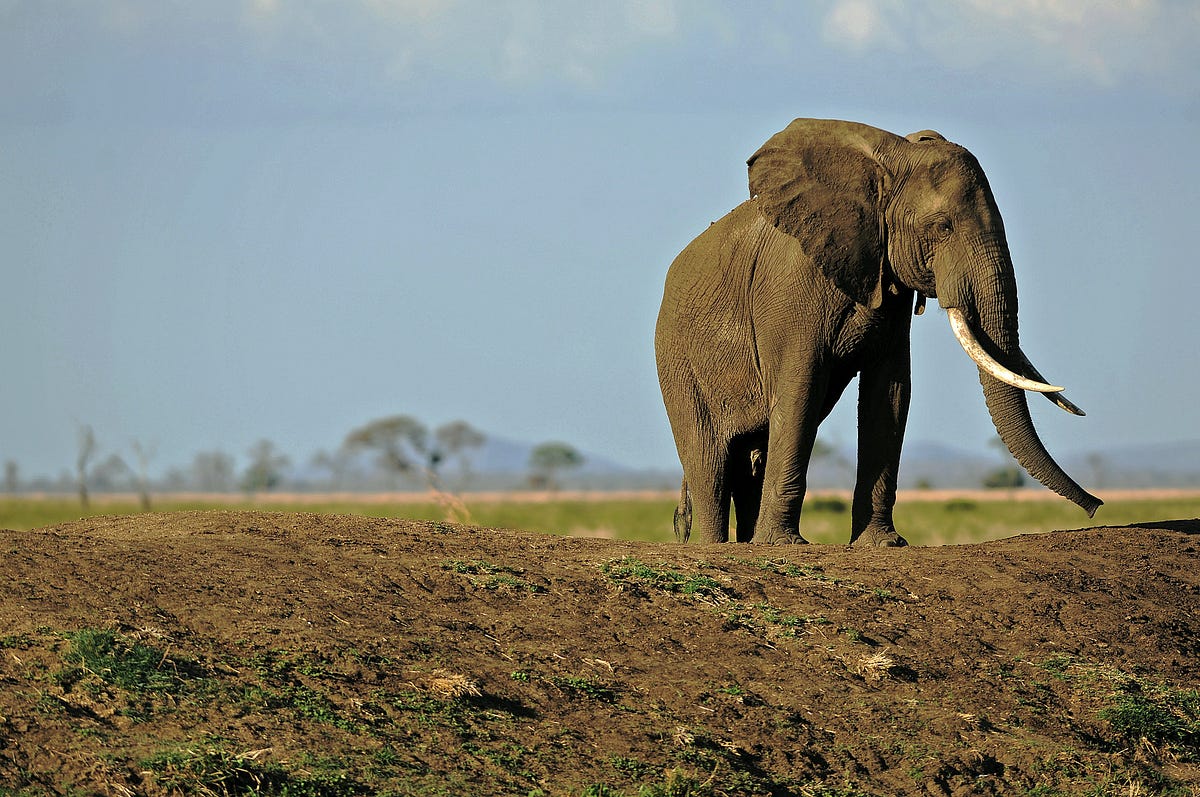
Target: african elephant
x,y
771,311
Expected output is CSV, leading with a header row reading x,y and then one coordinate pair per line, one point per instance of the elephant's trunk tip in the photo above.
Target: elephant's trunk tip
x,y
1091,504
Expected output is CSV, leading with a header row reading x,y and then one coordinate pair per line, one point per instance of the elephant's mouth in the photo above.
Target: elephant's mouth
x,y
990,365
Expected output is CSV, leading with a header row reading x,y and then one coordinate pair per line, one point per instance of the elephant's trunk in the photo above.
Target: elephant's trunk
x,y
994,296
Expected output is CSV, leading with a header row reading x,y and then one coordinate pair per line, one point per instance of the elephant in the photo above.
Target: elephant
x,y
770,312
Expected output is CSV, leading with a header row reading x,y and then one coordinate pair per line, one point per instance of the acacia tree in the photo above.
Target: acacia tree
x,y
401,443
110,473
12,478
265,470
453,439
335,463
212,471
547,460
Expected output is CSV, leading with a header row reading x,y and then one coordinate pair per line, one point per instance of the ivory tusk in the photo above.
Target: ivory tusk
x,y
1058,398
962,331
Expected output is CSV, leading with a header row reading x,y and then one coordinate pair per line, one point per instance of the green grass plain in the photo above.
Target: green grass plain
x,y
966,518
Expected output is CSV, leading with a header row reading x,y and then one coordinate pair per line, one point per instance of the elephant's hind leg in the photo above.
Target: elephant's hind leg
x,y
708,489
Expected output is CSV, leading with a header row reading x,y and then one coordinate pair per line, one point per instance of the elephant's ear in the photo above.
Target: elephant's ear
x,y
819,182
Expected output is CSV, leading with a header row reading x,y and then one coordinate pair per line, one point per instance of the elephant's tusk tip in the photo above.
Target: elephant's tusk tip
x,y
1066,404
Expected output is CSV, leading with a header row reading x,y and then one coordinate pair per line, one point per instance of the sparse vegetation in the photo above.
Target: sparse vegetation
x,y
634,573
491,576
213,769
1164,717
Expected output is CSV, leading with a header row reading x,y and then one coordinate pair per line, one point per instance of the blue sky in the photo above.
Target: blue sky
x,y
225,221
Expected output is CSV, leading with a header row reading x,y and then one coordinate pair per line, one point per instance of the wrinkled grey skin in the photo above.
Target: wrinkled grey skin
x,y
770,312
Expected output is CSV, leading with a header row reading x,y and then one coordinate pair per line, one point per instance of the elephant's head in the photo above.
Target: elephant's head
x,y
879,213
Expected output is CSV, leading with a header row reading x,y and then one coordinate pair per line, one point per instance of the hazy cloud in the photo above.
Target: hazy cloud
x,y
513,42
218,58
858,24
1104,42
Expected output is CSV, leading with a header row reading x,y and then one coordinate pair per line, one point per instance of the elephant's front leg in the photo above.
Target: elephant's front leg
x,y
884,391
794,418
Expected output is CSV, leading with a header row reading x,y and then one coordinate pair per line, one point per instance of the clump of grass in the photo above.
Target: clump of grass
x,y
1167,718
129,665
629,571
214,771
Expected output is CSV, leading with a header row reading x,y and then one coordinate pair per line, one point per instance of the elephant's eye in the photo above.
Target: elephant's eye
x,y
942,227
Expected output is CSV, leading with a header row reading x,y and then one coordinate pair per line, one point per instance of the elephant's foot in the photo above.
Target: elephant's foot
x,y
879,538
778,538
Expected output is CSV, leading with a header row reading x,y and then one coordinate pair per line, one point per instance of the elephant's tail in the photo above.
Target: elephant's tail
x,y
683,514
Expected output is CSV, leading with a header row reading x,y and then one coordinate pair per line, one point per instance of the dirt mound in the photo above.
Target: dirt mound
x,y
272,653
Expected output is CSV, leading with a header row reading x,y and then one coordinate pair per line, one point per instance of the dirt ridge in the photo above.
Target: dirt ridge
x,y
363,655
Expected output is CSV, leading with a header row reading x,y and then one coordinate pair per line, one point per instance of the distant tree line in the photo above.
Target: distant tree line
x,y
390,453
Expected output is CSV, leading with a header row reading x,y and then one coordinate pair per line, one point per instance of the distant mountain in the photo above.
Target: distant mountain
x,y
503,463
502,455
931,464
1175,464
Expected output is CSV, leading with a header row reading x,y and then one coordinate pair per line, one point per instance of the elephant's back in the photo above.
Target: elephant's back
x,y
718,260
704,330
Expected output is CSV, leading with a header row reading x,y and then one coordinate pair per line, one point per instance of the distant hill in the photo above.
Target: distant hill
x,y
503,463
1174,464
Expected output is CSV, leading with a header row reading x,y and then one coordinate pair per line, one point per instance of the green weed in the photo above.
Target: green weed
x,y
629,571
630,767
18,641
587,687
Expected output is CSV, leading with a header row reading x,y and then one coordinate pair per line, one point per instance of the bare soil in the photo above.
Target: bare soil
x,y
287,653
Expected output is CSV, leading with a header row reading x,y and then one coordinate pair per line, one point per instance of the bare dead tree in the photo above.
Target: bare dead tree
x,y
143,454
87,447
